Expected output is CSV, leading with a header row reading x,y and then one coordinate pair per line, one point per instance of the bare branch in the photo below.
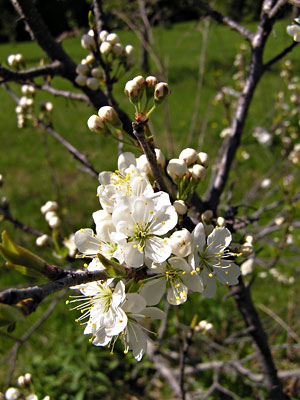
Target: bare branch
x,y
280,55
38,293
97,8
138,130
222,19
63,93
71,149
6,75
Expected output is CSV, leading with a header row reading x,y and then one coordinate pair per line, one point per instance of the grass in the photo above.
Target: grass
x,y
36,168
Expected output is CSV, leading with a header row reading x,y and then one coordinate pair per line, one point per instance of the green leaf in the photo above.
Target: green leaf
x,y
114,269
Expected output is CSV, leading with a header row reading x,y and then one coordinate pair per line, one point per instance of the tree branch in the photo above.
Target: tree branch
x,y
63,93
222,19
279,56
55,68
38,293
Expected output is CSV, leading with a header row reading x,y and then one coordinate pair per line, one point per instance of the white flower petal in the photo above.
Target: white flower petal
x,y
101,339
119,323
86,242
177,293
119,294
125,160
132,255
157,249
153,313
218,240
154,290
209,284
142,211
134,303
164,220
137,340
228,275
199,237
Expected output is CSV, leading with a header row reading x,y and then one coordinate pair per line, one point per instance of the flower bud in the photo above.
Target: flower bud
x,y
117,49
247,267
221,222
108,114
160,158
96,124
82,69
129,50
89,59
21,381
203,159
112,38
161,91
207,215
23,101
103,36
49,215
92,83
180,207
96,73
29,102
208,229
46,398
88,42
31,396
12,394
49,206
246,249
25,89
198,172
105,48
19,58
11,60
181,243
133,91
140,81
151,82
1,180
176,168
143,165
54,222
49,106
19,110
42,240
28,377
249,238
81,80
189,156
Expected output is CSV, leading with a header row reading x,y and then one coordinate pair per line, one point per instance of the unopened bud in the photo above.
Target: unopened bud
x,y
207,215
42,240
112,38
108,114
180,207
12,394
246,249
103,35
208,229
129,50
49,206
19,58
176,168
92,83
54,222
31,396
117,49
81,80
133,91
161,91
88,42
4,202
143,165
1,180
96,73
82,69
203,159
21,381
49,106
49,215
105,48
221,222
28,377
140,81
11,61
189,156
247,267
89,59
96,124
160,158
198,172
249,238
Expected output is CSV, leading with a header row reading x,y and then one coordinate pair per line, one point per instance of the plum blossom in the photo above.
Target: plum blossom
x,y
211,259
177,277
142,221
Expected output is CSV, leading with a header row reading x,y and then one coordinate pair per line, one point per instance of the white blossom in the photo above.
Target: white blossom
x,y
211,259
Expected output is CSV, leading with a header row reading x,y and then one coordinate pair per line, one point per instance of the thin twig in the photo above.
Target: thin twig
x,y
6,75
279,56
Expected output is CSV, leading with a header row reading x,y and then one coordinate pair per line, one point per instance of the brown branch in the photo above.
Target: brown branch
x,y
55,51
279,56
255,72
138,131
71,149
98,12
25,337
38,293
222,19
55,68
63,93
245,305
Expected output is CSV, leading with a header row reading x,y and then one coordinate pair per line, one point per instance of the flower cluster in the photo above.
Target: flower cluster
x,y
49,210
136,228
107,54
24,392
294,29
15,60
25,104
